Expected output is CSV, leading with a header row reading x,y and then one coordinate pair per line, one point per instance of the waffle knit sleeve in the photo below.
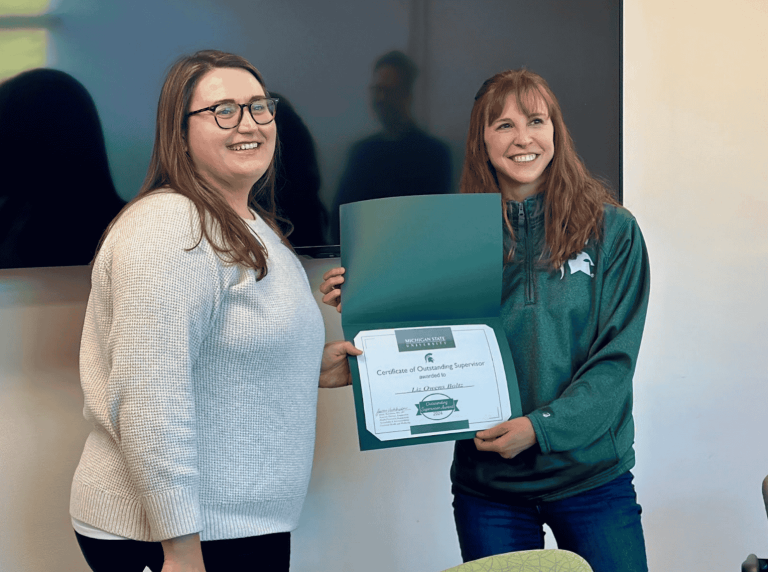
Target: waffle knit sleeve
x,y
162,298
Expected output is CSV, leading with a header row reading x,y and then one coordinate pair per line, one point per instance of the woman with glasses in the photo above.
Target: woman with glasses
x,y
202,347
574,299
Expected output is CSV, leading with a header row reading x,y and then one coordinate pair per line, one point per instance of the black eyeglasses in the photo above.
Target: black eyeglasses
x,y
229,115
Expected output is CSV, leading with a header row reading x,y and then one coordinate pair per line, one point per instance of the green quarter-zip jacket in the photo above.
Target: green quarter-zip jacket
x,y
574,334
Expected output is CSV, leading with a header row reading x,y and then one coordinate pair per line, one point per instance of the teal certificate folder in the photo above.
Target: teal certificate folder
x,y
423,262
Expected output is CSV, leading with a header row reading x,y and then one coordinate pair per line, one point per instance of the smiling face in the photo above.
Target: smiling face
x,y
520,146
231,160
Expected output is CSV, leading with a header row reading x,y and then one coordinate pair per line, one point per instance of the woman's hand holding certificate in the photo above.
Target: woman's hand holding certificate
x,y
508,439
330,288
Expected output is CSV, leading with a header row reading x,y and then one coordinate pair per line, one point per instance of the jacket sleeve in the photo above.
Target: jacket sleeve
x,y
600,392
163,301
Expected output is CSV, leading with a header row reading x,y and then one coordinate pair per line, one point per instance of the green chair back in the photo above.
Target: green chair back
x,y
547,560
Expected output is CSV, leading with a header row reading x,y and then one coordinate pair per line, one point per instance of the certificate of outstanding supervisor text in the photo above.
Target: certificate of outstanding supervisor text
x,y
431,381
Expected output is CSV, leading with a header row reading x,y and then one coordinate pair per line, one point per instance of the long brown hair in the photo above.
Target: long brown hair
x,y
573,198
171,167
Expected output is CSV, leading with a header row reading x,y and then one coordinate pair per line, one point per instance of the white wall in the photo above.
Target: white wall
x,y
696,177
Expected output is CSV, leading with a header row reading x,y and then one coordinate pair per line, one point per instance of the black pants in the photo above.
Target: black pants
x,y
268,553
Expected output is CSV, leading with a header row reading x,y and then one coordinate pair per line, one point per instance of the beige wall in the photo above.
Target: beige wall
x,y
41,425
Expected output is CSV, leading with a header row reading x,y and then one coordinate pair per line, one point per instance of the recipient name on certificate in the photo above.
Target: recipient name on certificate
x,y
431,381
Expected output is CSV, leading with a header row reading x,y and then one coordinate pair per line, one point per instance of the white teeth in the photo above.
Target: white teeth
x,y
244,146
523,158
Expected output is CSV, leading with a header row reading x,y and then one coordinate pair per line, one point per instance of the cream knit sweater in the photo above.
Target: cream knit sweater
x,y
200,383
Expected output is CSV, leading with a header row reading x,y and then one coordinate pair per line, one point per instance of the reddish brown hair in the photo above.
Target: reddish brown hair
x,y
573,198
171,167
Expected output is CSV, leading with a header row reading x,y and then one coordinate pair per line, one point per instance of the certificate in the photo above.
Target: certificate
x,y
421,382
414,264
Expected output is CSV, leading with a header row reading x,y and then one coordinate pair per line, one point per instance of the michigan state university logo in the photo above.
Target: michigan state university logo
x,y
415,339
582,263
429,359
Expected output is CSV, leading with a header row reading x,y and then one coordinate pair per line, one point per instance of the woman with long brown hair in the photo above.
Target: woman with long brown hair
x,y
202,347
574,300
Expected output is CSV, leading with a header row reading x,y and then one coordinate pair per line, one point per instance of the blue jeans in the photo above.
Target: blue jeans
x,y
601,525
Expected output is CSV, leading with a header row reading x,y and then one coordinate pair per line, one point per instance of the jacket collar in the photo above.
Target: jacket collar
x,y
533,208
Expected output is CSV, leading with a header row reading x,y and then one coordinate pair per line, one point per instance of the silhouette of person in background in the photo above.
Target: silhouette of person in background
x,y
401,159
297,184
56,194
